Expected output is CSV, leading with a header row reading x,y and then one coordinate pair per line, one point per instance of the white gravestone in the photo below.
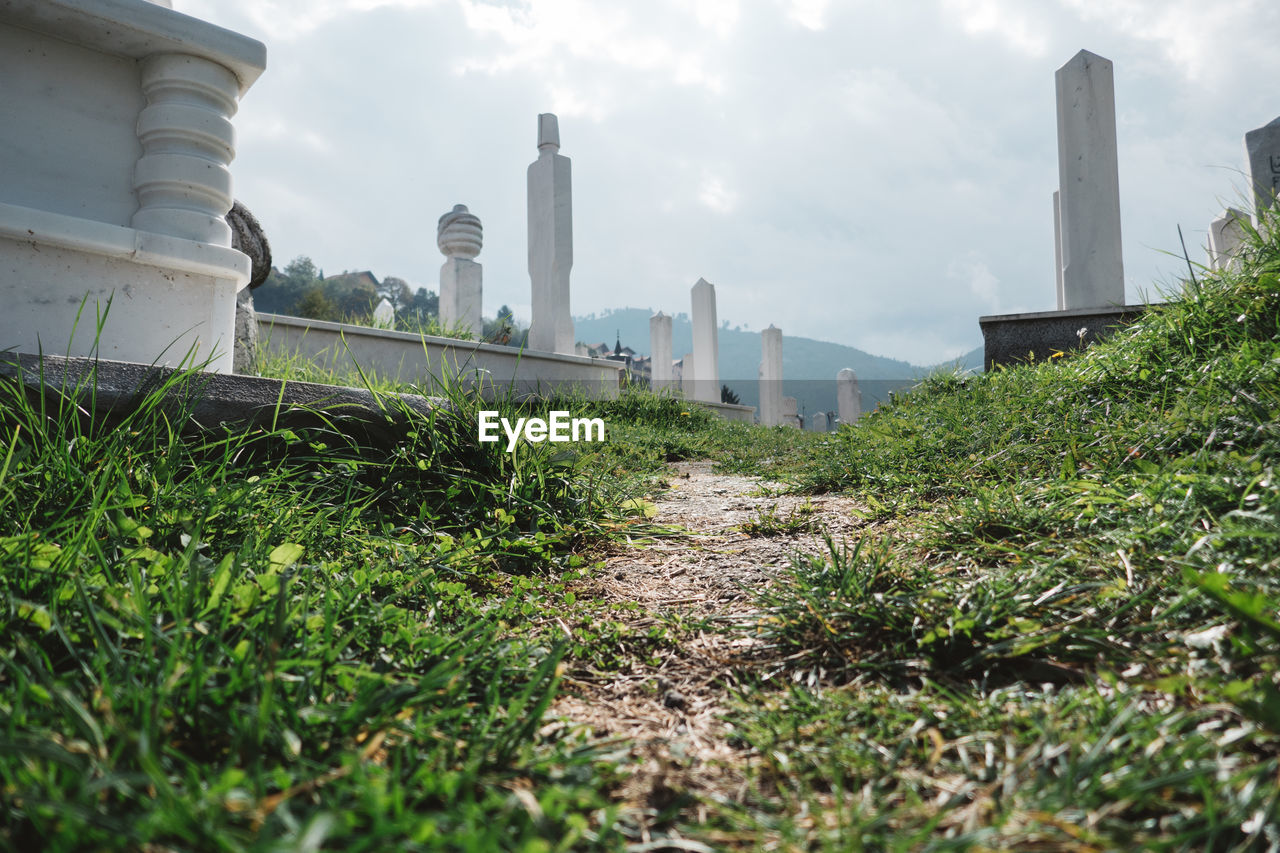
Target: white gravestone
x,y
115,146
1226,234
1089,184
460,237
659,351
706,343
384,316
771,376
848,396
687,375
790,412
550,242
818,422
1057,250
1262,151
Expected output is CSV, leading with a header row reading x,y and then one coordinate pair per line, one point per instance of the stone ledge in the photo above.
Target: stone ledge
x,y
91,237
136,29
1034,336
212,399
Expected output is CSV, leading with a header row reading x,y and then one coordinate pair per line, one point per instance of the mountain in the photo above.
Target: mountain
x,y
809,366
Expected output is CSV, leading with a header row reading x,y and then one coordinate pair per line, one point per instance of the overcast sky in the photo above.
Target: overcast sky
x,y
876,174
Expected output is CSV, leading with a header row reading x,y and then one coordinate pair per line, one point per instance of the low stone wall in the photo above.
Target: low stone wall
x,y
729,411
113,390
1014,338
426,360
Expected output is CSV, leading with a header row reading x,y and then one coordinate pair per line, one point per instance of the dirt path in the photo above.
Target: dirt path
x,y
671,713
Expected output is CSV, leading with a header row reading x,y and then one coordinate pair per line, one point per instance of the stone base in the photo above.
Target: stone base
x,y
1017,338
82,288
210,399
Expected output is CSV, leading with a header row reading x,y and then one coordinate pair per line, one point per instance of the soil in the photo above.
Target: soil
x,y
672,714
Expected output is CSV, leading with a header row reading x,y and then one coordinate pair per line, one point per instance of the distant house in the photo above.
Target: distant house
x,y
638,366
353,280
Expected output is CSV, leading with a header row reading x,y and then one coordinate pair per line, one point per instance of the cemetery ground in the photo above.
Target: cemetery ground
x,y
1036,609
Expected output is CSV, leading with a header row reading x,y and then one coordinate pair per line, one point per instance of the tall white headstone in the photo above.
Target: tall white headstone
x,y
687,375
706,343
848,396
659,350
1089,183
460,238
384,316
1226,233
1262,150
771,376
550,242
1057,250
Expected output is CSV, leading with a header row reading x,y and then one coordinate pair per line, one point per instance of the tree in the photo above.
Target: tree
x,y
426,303
316,306
282,290
728,396
397,292
358,301
301,271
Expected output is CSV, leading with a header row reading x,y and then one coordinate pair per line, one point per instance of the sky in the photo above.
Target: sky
x,y
870,173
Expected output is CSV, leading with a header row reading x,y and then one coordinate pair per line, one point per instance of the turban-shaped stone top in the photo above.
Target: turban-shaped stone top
x,y
459,234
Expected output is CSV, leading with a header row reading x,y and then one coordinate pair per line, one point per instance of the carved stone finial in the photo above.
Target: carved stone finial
x,y
459,234
247,236
548,132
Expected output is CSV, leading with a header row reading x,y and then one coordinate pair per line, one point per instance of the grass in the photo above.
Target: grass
x,y
1059,628
244,638
1070,637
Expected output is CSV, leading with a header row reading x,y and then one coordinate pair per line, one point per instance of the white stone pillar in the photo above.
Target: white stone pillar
x,y
1262,151
1089,183
848,396
1057,250
460,237
660,350
687,375
1226,233
182,180
550,242
771,376
706,342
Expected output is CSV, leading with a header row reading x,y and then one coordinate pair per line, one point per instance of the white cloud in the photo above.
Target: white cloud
x,y
1208,42
1007,21
544,36
293,19
714,194
810,14
971,270
718,16
274,129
